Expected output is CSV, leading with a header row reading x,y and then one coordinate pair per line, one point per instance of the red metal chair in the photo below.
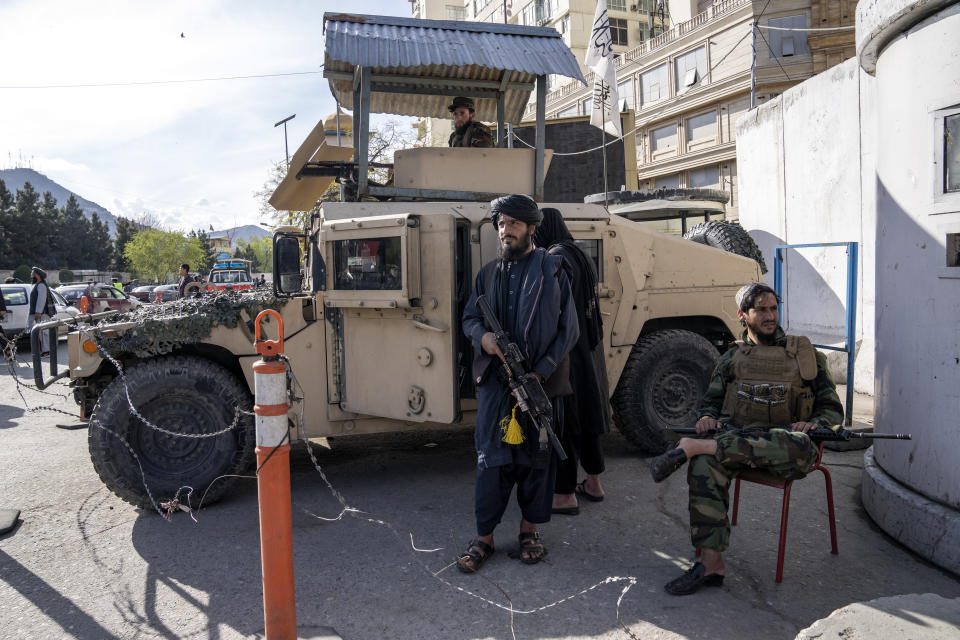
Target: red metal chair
x,y
759,477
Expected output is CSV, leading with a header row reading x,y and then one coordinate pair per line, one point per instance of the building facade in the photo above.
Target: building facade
x,y
687,70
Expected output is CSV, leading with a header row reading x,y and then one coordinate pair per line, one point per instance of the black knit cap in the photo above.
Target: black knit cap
x,y
518,206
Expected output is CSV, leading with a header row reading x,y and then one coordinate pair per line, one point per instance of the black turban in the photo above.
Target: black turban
x,y
552,230
40,272
517,206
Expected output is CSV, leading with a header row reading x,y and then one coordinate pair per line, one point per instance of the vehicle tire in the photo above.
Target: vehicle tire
x,y
729,236
661,386
192,289
184,394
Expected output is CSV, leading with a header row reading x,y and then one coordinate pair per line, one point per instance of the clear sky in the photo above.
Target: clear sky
x,y
191,153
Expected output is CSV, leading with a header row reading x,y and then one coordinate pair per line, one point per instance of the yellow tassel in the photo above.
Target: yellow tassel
x,y
512,433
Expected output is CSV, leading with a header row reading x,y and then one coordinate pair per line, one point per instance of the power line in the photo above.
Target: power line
x,y
150,82
775,57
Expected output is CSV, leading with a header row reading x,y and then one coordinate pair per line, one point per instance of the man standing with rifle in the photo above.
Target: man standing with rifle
x,y
520,367
767,379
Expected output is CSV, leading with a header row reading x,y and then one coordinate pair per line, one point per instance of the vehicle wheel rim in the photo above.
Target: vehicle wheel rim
x,y
676,394
165,454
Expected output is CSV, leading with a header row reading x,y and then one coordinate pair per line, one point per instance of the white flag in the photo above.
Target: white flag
x,y
606,102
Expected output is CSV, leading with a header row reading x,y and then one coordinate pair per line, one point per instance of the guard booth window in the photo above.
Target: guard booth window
x,y
368,264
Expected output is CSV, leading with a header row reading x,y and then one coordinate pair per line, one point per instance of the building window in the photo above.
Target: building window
x,y
456,13
569,112
653,85
663,141
618,31
616,5
625,92
704,177
585,106
667,182
690,69
784,44
701,130
951,153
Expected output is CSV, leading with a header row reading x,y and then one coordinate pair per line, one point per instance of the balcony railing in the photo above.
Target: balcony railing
x,y
679,30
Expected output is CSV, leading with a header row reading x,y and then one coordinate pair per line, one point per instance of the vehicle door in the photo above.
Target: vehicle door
x,y
391,298
16,298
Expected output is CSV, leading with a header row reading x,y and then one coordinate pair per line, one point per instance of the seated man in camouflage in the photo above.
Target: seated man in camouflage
x,y
774,388
467,131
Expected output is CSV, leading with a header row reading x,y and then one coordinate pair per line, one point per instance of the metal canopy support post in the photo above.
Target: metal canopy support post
x,y
849,346
501,107
356,109
541,135
362,150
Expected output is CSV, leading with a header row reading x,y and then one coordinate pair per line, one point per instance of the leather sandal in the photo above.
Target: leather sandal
x,y
692,580
532,550
581,491
665,464
476,554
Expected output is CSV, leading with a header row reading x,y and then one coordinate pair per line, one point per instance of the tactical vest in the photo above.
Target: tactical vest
x,y
771,384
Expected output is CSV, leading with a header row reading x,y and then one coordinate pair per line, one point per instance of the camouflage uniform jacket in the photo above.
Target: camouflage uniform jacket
x,y
827,409
475,134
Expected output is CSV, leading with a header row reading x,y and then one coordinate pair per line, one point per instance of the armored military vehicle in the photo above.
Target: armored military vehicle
x,y
371,290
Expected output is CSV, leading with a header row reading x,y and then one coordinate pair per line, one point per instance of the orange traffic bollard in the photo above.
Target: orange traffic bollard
x,y
84,304
273,484
157,299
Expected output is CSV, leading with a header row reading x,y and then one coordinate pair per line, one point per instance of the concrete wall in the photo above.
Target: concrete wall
x,y
918,323
800,167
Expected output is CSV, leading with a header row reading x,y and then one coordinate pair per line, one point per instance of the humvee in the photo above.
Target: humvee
x,y
371,290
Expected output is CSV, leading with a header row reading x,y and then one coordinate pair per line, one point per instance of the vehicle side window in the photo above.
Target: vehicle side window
x,y
58,298
591,247
14,297
369,263
99,293
115,293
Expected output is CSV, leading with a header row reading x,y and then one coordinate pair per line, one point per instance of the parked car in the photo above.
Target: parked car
x,y
144,293
102,297
17,298
167,292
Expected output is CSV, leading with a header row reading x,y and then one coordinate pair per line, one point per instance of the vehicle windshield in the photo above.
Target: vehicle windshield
x,y
14,296
229,277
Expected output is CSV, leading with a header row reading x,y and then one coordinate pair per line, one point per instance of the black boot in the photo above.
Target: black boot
x,y
663,465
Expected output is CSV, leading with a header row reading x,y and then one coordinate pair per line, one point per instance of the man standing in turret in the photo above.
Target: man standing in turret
x,y
467,131
773,388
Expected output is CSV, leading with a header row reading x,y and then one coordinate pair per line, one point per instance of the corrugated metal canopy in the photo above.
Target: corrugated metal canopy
x,y
456,58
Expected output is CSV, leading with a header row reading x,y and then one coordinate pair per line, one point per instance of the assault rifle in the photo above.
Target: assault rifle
x,y
530,395
820,434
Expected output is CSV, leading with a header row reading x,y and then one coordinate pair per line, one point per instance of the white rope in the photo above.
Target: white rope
x,y
576,153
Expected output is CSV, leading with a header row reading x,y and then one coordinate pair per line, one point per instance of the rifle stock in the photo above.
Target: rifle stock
x,y
531,397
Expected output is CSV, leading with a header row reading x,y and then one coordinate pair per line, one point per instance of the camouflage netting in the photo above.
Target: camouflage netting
x,y
162,328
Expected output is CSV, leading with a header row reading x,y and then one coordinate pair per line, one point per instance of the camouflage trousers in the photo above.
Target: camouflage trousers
x,y
785,454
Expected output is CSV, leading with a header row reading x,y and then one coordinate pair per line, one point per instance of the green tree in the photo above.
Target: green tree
x,y
25,247
101,246
22,273
47,233
126,229
73,233
153,253
209,255
259,251
6,219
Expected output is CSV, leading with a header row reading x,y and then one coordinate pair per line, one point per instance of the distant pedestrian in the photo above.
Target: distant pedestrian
x,y
41,304
185,279
117,285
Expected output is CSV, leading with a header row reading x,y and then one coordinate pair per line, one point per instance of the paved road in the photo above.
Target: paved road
x,y
84,564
